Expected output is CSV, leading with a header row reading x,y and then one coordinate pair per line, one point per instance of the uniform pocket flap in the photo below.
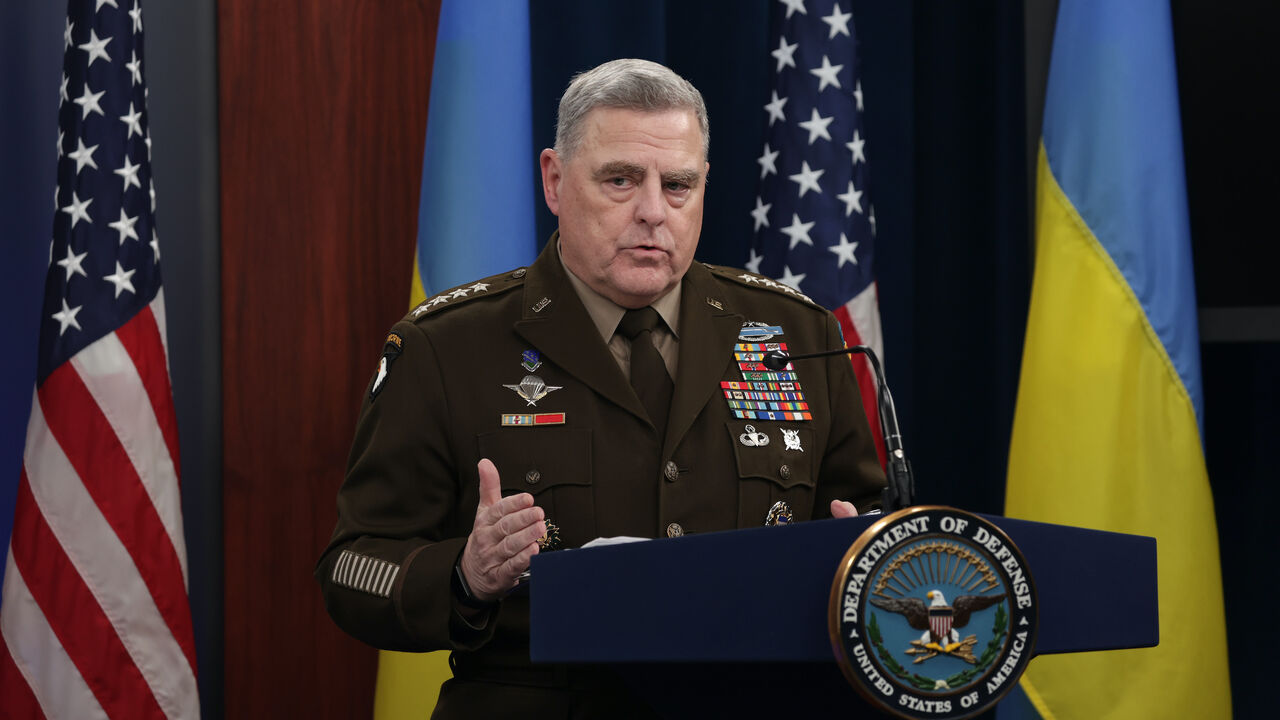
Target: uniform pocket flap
x,y
772,451
534,459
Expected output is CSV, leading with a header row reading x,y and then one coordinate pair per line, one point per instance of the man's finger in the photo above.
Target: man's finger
x,y
842,509
490,483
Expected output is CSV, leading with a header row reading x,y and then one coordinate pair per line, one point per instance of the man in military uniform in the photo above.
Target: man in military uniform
x,y
611,388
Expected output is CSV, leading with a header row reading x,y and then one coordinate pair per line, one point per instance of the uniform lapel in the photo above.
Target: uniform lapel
x,y
555,322
708,331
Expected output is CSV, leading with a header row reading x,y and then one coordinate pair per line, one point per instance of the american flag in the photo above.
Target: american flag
x,y
814,223
95,617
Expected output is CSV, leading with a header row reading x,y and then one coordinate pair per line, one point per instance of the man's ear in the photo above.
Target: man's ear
x,y
552,174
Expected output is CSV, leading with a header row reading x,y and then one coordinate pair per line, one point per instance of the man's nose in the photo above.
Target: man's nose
x,y
651,206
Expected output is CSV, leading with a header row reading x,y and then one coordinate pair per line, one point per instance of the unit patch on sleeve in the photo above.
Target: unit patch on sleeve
x,y
364,573
390,351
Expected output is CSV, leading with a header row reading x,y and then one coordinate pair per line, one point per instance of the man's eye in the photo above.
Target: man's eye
x,y
619,182
676,186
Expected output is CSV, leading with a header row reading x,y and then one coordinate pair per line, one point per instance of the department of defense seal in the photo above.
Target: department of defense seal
x,y
933,613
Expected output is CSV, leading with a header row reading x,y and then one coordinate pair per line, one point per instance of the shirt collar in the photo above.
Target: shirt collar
x,y
606,314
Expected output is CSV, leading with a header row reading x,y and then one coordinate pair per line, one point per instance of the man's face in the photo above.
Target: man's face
x,y
629,202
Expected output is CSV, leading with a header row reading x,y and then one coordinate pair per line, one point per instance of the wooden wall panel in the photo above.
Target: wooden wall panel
x,y
322,110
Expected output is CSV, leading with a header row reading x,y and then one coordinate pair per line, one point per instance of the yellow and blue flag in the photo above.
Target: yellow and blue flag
x,y
476,212
1107,431
475,215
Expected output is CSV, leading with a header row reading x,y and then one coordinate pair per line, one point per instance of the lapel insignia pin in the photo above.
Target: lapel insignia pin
x,y
541,304
792,439
715,303
532,389
751,438
531,360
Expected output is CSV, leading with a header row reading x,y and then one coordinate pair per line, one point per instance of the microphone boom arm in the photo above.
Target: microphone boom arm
x,y
900,491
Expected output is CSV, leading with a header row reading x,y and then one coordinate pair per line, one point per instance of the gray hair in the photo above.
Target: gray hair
x,y
627,84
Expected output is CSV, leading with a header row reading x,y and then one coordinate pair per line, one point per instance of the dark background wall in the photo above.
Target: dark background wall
x,y
288,140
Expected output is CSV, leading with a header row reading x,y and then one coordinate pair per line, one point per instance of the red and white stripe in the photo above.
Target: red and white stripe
x,y
95,616
860,321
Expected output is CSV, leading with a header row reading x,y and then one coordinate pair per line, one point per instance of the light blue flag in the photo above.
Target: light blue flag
x,y
476,215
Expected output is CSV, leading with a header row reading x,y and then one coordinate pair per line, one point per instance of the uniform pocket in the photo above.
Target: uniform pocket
x,y
554,465
534,460
780,453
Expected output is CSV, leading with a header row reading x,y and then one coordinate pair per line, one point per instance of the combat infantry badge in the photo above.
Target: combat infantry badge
x,y
933,613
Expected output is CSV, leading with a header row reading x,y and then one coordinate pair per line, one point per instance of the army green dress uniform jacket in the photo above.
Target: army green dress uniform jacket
x,y
436,408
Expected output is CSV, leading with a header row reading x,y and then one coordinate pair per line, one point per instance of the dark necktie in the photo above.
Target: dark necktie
x,y
648,372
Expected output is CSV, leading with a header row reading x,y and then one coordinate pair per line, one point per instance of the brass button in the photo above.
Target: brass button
x,y
532,477
674,530
671,472
785,472
519,273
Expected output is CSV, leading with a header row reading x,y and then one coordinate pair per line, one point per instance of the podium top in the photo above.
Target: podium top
x,y
760,595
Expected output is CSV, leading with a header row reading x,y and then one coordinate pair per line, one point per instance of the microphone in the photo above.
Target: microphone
x,y
902,486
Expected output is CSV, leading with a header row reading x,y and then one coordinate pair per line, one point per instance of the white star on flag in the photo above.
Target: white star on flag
x,y
798,231
852,200
120,278
129,173
817,126
72,263
124,226
88,101
807,179
96,48
855,147
827,74
767,161
132,121
785,54
793,6
66,317
845,251
78,210
83,156
791,279
761,214
838,21
774,108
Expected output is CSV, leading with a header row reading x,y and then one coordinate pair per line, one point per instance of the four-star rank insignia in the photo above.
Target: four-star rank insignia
x,y
933,613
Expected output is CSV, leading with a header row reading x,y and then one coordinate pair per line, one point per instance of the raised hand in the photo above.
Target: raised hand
x,y
503,540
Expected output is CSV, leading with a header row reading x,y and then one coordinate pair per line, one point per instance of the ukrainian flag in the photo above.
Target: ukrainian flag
x,y
475,216
1107,431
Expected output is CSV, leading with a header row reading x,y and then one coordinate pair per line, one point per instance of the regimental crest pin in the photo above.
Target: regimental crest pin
x,y
532,389
531,360
933,613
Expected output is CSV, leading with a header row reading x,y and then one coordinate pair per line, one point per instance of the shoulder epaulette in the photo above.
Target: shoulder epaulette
x,y
453,297
750,279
